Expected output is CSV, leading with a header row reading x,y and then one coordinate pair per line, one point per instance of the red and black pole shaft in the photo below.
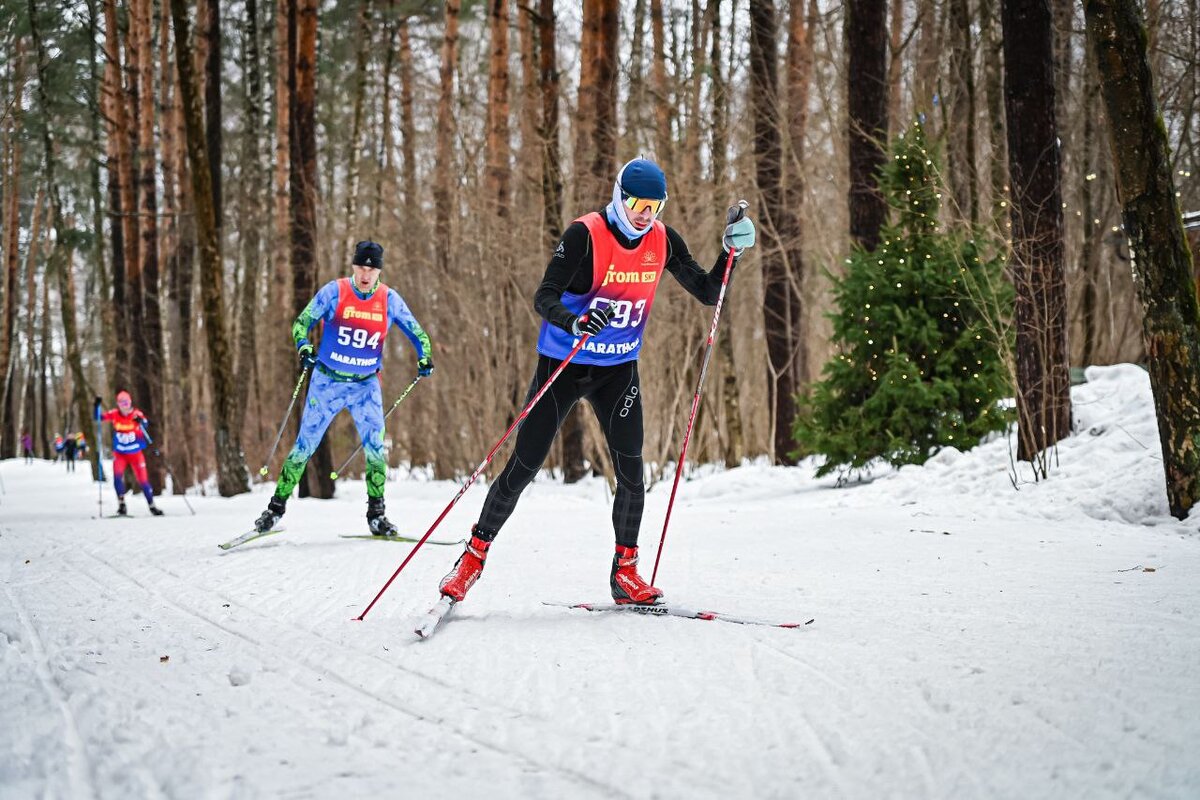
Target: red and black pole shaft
x,y
479,470
735,213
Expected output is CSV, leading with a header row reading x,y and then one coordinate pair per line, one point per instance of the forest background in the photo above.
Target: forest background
x,y
464,136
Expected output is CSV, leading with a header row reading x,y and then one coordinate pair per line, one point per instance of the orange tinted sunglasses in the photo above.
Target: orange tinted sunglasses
x,y
639,204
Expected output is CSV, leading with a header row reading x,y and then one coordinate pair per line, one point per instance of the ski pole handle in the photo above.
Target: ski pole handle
x,y
295,393
333,476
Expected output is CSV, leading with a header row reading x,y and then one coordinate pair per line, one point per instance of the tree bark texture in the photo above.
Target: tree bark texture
x,y
961,105
150,374
1035,180
768,170
212,102
61,262
231,467
866,42
552,188
1162,263
12,228
304,192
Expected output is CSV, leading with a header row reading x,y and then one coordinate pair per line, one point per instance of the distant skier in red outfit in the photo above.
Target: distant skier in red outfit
x,y
129,440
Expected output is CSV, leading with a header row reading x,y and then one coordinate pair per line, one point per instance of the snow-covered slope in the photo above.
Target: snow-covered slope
x,y
970,639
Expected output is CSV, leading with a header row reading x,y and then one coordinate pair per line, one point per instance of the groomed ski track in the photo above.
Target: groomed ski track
x,y
999,654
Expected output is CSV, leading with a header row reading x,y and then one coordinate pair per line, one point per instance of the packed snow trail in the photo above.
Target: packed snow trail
x,y
970,640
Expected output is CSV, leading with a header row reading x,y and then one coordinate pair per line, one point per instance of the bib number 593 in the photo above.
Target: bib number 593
x,y
622,310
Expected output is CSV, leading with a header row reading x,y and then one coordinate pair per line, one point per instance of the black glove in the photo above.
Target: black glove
x,y
308,358
425,367
592,322
96,406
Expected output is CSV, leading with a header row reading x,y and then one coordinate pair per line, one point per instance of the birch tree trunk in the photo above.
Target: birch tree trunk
x,y
1159,253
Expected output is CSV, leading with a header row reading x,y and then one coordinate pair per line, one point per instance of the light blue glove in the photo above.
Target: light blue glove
x,y
739,235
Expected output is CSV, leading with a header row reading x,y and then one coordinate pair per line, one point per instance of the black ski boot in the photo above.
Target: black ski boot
x,y
268,518
121,510
155,510
376,521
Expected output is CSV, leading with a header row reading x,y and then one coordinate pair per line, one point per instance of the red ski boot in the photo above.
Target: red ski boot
x,y
466,570
627,585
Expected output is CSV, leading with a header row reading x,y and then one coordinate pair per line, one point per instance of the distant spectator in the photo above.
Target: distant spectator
x,y
69,448
27,446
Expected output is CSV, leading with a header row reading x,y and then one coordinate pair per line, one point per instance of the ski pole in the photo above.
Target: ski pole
x,y
333,476
174,480
286,417
99,455
735,213
478,470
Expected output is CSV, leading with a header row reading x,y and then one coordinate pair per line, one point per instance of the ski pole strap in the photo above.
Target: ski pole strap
x,y
478,470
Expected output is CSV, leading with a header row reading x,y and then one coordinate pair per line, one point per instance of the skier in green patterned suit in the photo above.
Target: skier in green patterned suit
x,y
357,313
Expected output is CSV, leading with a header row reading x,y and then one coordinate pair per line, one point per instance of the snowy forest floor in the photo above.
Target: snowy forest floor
x,y
970,639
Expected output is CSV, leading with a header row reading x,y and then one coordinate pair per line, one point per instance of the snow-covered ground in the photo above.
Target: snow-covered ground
x,y
970,639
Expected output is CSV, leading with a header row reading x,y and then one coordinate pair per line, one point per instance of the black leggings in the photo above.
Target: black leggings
x,y
615,395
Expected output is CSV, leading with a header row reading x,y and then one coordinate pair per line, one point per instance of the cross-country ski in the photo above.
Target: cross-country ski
x,y
673,610
398,538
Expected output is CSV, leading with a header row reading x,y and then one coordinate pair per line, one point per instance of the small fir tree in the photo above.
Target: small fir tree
x,y
918,324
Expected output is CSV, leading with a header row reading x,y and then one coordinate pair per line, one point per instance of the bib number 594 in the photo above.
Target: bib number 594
x,y
357,337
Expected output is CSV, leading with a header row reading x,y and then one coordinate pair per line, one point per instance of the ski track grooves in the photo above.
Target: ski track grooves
x,y
428,715
78,766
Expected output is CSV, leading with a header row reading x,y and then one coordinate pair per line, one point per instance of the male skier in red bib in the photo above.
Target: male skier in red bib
x,y
601,281
357,313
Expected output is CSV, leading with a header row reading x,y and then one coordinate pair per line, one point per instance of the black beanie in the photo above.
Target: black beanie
x,y
368,254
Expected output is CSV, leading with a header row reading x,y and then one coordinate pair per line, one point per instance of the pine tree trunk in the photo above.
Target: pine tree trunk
x,y
661,90
150,377
61,263
212,102
356,119
443,194
866,42
1159,252
768,168
408,126
114,107
99,103
1089,257
250,225
993,65
12,226
385,174
961,104
304,191
896,45
799,80
1035,180
498,172
552,189
231,467
733,445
